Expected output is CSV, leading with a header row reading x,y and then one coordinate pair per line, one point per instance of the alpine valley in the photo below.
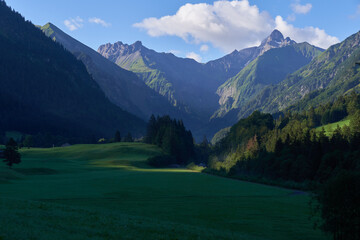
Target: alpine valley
x,y
113,141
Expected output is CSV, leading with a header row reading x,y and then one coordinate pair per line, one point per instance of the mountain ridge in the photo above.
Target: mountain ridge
x,y
45,88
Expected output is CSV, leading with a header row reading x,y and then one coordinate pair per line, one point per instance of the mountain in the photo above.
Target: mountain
x,y
231,64
122,87
270,68
212,90
184,82
331,74
45,89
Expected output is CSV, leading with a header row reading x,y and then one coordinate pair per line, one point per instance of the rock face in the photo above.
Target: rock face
x,y
275,40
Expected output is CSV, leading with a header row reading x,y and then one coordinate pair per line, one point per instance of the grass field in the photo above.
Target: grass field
x,y
330,128
108,192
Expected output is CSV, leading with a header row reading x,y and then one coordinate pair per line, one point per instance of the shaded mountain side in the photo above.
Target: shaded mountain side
x,y
122,87
268,69
44,88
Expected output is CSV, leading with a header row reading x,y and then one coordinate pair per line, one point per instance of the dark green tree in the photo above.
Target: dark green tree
x,y
28,141
339,206
11,154
128,138
117,137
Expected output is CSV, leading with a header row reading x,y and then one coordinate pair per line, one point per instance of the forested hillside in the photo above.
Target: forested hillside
x,y
290,148
45,89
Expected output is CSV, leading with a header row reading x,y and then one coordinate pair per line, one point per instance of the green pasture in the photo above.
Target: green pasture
x,y
330,128
108,192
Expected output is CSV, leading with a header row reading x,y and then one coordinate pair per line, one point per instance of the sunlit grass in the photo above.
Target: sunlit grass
x,y
330,128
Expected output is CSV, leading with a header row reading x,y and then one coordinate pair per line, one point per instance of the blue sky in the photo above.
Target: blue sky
x,y
204,30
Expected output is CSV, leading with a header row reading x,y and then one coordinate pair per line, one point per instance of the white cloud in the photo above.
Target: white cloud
x,y
194,56
99,21
301,9
228,25
291,17
204,48
74,23
312,35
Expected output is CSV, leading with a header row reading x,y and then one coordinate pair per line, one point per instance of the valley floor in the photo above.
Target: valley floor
x,y
108,192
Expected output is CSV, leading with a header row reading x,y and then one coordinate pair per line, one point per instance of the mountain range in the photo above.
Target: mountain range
x,y
121,85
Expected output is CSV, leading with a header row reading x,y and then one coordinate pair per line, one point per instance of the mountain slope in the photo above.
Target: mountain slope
x,y
122,87
185,82
46,89
269,68
326,77
231,64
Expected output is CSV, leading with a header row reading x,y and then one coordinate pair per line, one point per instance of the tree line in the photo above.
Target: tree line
x,y
170,135
286,149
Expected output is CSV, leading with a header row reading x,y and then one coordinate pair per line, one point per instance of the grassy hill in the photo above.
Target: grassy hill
x,y
108,192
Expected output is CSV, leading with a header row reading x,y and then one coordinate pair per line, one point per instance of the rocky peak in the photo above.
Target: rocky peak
x,y
120,48
275,40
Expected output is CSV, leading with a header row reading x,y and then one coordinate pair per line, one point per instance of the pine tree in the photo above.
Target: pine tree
x,y
117,137
128,138
28,141
11,154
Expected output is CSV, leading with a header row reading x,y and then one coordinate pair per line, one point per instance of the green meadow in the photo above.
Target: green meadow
x,y
109,192
331,127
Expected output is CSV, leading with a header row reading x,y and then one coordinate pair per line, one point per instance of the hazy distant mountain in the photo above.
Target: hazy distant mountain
x,y
185,82
122,87
46,89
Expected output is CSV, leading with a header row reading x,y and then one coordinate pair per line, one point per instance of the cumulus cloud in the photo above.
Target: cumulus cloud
x,y
301,9
227,25
312,35
74,23
194,56
204,48
99,21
